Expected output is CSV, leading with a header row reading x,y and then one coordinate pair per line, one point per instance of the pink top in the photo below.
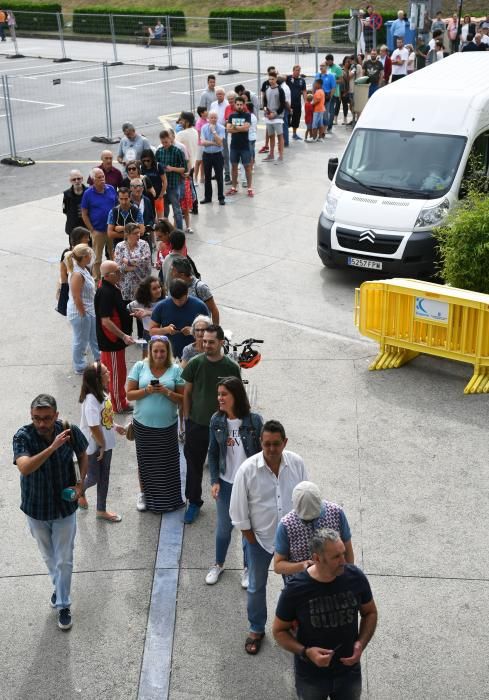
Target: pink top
x,y
199,124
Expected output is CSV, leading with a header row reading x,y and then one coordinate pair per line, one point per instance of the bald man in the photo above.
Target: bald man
x,y
72,198
96,205
113,176
114,325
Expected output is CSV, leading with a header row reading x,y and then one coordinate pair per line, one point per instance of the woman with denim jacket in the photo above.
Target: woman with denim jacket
x,y
234,436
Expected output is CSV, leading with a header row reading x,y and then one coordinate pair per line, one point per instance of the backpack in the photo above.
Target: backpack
x,y
196,273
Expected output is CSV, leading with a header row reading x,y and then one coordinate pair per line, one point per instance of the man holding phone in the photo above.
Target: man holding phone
x,y
43,454
172,160
326,600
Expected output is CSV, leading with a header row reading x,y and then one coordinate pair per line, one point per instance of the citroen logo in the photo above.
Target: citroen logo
x,y
367,236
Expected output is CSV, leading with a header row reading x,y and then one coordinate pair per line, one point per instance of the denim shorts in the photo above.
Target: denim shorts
x,y
240,154
317,119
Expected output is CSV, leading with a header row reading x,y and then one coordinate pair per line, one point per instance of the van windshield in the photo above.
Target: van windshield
x,y
400,163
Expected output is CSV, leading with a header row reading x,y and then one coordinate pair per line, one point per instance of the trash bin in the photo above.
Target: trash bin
x,y
360,94
409,38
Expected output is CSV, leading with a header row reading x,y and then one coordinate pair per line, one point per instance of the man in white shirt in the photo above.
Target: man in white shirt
x,y
261,496
399,60
219,106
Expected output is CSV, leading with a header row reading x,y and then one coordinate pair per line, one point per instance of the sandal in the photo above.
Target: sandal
x,y
250,192
110,517
253,644
231,191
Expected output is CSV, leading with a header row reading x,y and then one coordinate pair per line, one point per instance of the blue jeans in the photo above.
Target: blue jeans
x,y
286,127
373,87
224,525
56,539
84,334
173,195
331,111
345,687
258,564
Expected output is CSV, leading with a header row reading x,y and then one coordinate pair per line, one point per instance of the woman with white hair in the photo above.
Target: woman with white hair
x,y
200,324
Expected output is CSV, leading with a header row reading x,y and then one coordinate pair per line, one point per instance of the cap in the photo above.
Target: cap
x,y
306,499
44,401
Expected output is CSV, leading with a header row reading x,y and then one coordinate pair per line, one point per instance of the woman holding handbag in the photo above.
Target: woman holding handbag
x,y
234,436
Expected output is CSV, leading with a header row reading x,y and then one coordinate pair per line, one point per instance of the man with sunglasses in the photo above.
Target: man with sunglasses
x,y
72,198
43,454
131,144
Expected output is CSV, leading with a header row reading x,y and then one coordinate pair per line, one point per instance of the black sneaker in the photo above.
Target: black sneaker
x,y
64,619
52,600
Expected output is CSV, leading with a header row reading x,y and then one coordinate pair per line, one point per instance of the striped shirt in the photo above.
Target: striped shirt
x,y
41,490
87,294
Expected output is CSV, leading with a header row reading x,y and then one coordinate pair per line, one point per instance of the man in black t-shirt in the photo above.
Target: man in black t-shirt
x,y
374,70
238,125
298,92
326,601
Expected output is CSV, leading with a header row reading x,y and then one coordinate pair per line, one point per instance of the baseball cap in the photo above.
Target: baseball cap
x,y
306,499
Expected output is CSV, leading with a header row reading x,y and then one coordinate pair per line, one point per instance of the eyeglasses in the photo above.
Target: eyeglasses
x,y
76,179
159,337
131,168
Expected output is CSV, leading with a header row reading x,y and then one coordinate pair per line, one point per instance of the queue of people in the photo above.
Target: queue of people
x,y
185,396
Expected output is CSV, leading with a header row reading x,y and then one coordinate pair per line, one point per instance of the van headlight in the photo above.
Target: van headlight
x,y
330,205
431,216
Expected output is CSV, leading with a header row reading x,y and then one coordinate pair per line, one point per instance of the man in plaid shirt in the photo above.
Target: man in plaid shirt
x,y
173,162
43,453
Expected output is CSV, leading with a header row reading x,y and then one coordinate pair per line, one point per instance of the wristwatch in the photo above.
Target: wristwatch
x,y
303,656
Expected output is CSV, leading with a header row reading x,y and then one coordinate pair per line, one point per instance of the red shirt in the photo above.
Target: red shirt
x,y
112,177
309,109
230,109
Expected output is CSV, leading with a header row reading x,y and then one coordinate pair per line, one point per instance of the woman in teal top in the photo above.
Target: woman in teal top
x,y
156,386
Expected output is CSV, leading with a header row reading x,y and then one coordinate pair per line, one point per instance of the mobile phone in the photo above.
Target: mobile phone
x,y
155,382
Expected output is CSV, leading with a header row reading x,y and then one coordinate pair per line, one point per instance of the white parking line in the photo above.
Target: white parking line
x,y
53,105
22,67
121,75
156,82
60,72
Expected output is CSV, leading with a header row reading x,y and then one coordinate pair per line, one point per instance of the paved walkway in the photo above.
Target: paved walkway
x,y
403,451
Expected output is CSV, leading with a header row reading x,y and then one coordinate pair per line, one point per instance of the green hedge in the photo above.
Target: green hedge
x,y
38,16
340,36
245,30
127,20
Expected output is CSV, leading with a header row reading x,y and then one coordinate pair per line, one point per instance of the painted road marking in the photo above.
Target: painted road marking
x,y
53,105
59,71
156,82
116,77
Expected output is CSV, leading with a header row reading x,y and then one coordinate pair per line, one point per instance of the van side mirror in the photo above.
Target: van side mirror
x,y
332,167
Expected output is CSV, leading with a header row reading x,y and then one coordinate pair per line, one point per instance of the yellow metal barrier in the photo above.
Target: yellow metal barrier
x,y
408,317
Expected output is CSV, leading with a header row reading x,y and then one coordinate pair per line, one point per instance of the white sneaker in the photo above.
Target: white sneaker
x,y
141,502
245,579
213,575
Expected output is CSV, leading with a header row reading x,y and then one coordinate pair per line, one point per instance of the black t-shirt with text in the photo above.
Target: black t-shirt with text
x,y
327,614
240,140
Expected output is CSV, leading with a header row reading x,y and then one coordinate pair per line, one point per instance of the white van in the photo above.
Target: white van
x,y
404,165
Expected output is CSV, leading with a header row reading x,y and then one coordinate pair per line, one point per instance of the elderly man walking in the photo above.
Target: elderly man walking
x,y
261,496
96,205
72,198
114,324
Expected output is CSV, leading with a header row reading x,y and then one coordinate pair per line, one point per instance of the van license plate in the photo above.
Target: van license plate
x,y
369,264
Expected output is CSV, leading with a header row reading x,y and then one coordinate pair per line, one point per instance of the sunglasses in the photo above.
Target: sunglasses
x,y
131,168
164,338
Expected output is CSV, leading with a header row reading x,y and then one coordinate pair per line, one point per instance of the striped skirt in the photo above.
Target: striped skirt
x,y
159,466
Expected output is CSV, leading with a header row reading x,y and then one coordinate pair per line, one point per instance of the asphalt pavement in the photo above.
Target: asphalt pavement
x,y
404,451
